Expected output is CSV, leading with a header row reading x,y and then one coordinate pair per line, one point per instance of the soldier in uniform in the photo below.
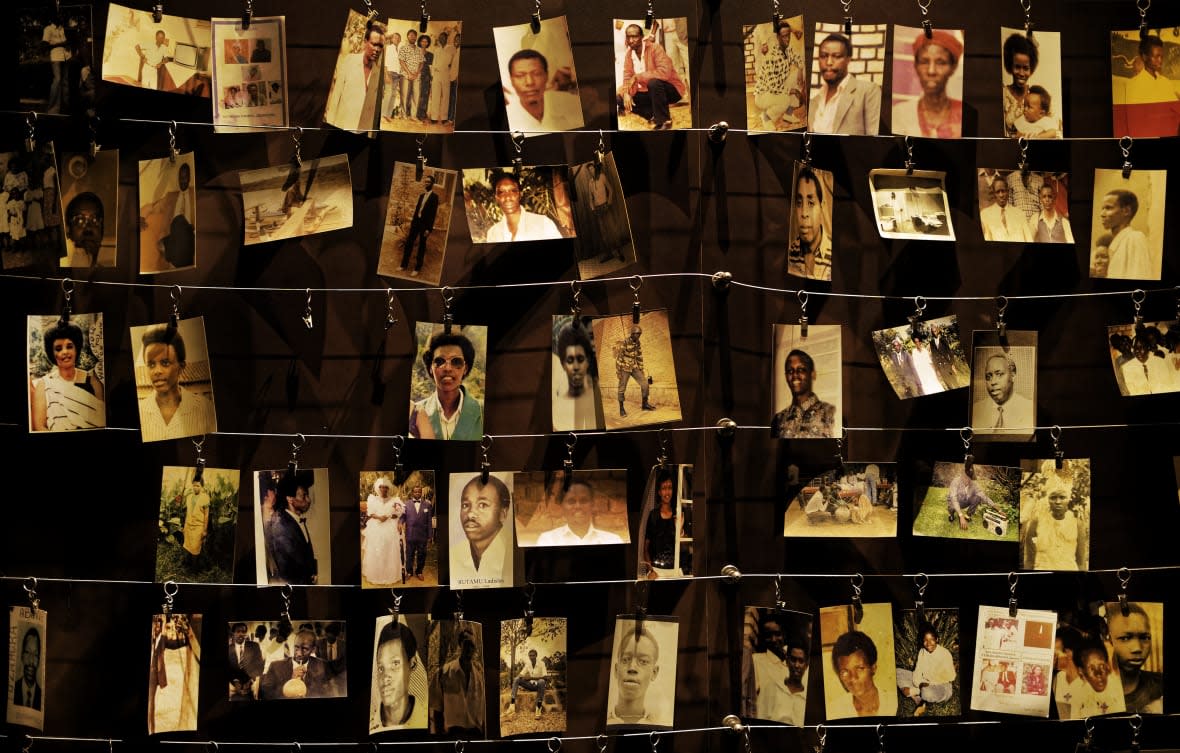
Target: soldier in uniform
x,y
629,364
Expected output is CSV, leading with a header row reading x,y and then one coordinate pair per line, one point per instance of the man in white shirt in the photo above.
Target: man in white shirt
x,y
538,106
1130,258
843,103
152,58
780,675
1001,410
1000,221
933,675
578,506
636,665
352,102
533,676
1146,374
484,558
517,223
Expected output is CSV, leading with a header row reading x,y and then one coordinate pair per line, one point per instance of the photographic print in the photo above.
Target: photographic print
x,y
448,381
26,667
506,206
1013,659
1004,385
89,195
1145,76
173,380
652,74
927,82
174,673
859,667
642,352
399,697
665,524
481,542
776,656
808,387
1033,101
1128,222
249,73
775,68
398,544
417,223
574,368
1146,357
537,76
1021,206
294,200
858,500
66,373
911,205
167,214
532,692
456,667
927,648
809,244
923,358
604,244
1137,643
279,660
421,76
587,508
847,74
354,98
1055,515
198,522
982,502
171,56
642,687
31,233
55,54
292,533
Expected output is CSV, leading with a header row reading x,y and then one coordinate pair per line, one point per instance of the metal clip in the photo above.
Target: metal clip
x,y
600,151
67,289
1143,6
170,589
801,295
199,445
448,295
518,161
94,147
921,580
847,17
840,451
397,604
535,18
1125,144
174,316
568,464
1013,579
639,601
1124,576
485,466
806,149
909,156
650,16
635,284
530,591
390,313
1026,5
30,586
285,593
398,442
423,18
779,602
307,318
575,298
881,738
31,137
297,137
927,25
158,11
370,11
458,606
296,446
919,309
1058,455
1022,163
420,169
662,458
1001,325
248,15
821,735
172,152
1137,298
858,611
965,434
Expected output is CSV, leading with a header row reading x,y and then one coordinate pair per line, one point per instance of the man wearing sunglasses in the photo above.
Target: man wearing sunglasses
x,y
448,412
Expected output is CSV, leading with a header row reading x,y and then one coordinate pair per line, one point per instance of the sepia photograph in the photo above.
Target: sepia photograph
x,y
808,387
641,352
292,527
167,214
977,502
448,382
605,244
532,692
1021,206
248,65
66,373
1136,634
354,97
574,369
642,686
421,83
1145,76
856,501
1031,76
927,646
923,358
537,77
398,546
1004,385
174,673
198,523
173,380
1013,658
927,82
652,77
284,660
25,681
1055,515
582,508
809,244
294,200
1128,222
456,667
847,76
911,205
417,222
171,56
775,71
1145,357
481,544
504,205
89,195
776,657
665,540
55,58
399,696
859,666
31,233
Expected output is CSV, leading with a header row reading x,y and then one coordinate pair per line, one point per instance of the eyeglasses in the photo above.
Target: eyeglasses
x,y
85,220
456,362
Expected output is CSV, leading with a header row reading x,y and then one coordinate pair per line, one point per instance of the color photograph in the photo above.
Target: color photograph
x,y
538,79
859,666
927,82
847,76
31,233
481,545
398,545
643,673
642,352
417,223
1145,81
89,206
399,696
292,532
911,205
927,648
1128,221
666,524
1145,357
55,55
923,358
776,658
1004,385
280,660
448,381
171,56
1031,76
532,692
504,206
167,214
66,373
198,523
1022,206
809,238
605,244
174,673
1136,636
421,76
249,73
354,97
775,70
653,82
857,501
173,380
982,503
1055,515
294,200
587,508
808,386
456,668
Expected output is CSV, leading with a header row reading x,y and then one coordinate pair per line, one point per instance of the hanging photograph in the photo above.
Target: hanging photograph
x,y
66,373
808,387
642,688
398,547
927,648
173,380
294,200
278,660
26,667
927,82
167,214
55,58
421,76
249,73
775,71
292,531
776,656
417,223
809,244
1055,515
532,688
1021,206
448,381
859,668
981,502
1145,76
31,233
198,522
911,205
505,206
652,74
858,500
174,673
847,74
537,77
642,352
456,668
481,542
923,358
1013,659
90,195
1146,357
1033,97
1128,222
171,56
354,97
399,697
588,508
1004,385
666,523
1137,643
574,369
604,245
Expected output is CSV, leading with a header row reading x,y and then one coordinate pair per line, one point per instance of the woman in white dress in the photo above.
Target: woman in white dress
x,y
924,368
381,555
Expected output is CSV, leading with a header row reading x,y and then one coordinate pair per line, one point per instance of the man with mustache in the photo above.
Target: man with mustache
x,y
486,560
807,416
843,103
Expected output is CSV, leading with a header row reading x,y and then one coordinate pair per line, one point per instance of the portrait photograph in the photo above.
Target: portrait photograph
x,y
198,523
808,388
604,244
847,75
278,661
641,353
448,381
1033,101
923,358
399,694
174,673
574,369
1145,77
776,75
246,64
171,56
1004,385
532,692
167,214
537,76
809,238
421,85
173,380
66,373
481,543
417,223
398,547
55,55
1137,651
456,669
1145,357
776,658
911,206
503,206
859,666
292,527
31,232
89,195
642,689
1128,222
982,503
582,508
856,501
653,83
1018,206
354,97
927,82
291,201
666,523
1055,515
1013,658
26,667
927,648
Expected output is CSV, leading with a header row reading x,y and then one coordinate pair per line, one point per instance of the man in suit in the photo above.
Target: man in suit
x,y
158,672
417,521
26,691
843,103
288,535
301,676
1000,409
941,356
260,53
421,224
650,91
905,379
245,663
330,648
354,99
1000,221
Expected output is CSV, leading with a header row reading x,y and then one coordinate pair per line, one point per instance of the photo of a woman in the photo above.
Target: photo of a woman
x,y
381,537
63,395
929,100
1032,98
665,530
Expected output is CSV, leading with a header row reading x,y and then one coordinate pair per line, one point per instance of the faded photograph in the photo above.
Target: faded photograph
x,y
857,501
1033,101
859,664
25,681
293,200
977,502
642,352
666,524
585,508
574,368
167,214
1145,357
31,233
911,205
1022,206
173,380
174,673
537,76
417,223
1004,385
421,83
249,72
292,527
66,373
775,71
89,206
505,206
809,239
1136,634
399,696
847,75
642,688
481,544
776,657
532,692
807,383
458,689
170,56
55,58
1013,659
927,82
354,97
1128,222
448,382
1145,82
927,646
923,358
604,244
198,522
287,660
1055,515
652,77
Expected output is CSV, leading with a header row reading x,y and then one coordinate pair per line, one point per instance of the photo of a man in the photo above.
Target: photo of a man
x,y
89,194
1145,82
1003,386
1145,357
776,655
858,500
642,354
911,204
643,673
245,663
354,97
198,521
27,689
1129,211
167,214
507,206
1137,637
586,508
604,244
652,90
533,688
538,78
859,662
774,61
292,535
458,689
809,244
927,647
171,56
482,544
174,673
166,356
804,385
25,680
1000,221
399,696
301,674
846,78
417,223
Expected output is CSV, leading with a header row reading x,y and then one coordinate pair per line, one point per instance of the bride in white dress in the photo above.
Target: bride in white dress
x,y
381,555
924,368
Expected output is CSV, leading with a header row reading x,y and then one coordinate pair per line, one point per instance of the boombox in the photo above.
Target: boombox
x,y
995,521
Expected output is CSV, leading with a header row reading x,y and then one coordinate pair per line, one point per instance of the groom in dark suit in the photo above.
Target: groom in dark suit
x,y
26,691
288,535
418,518
301,666
244,660
421,224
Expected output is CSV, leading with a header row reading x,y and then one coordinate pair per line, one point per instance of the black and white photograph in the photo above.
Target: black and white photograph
x,y
1031,76
26,667
296,199
248,65
642,687
911,205
538,77
173,380
399,697
641,353
174,673
856,501
776,75
574,369
280,660
847,77
167,214
532,692
653,81
398,546
89,206
505,205
666,524
1127,241
560,508
171,56
481,535
1136,636
448,382
198,523
55,54
292,532
926,643
1004,385
421,85
1022,206
923,358
859,663
1013,660
977,502
1055,514
809,238
456,667
1145,357
776,659
417,222
31,232
66,373
808,388
354,97
1144,77
928,82
605,244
